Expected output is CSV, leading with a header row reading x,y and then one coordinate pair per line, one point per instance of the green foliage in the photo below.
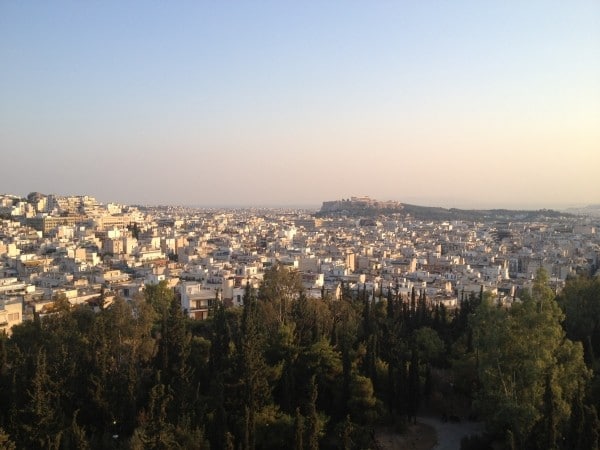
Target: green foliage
x,y
522,353
428,344
160,296
288,370
155,430
273,427
5,442
362,402
279,288
580,301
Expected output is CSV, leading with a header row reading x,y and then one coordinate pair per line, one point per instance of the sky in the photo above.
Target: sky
x,y
442,103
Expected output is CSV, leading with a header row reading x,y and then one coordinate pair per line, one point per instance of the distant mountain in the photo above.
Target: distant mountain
x,y
437,213
366,207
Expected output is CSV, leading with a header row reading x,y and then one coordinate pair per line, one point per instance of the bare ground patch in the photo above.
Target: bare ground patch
x,y
416,437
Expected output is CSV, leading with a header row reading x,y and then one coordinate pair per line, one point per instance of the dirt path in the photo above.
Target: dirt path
x,y
449,434
429,433
417,437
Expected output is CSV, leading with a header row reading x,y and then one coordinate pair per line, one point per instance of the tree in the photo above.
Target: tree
x,y
42,420
5,442
160,296
298,430
75,437
220,365
155,430
428,344
516,350
256,391
414,388
362,403
279,287
173,354
580,301
591,434
313,428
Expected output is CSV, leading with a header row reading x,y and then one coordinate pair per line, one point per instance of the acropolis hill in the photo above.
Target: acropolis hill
x,y
360,205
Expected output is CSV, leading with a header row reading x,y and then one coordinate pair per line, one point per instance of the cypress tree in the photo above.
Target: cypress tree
x,y
42,422
253,368
248,429
174,351
413,302
391,395
591,429
220,342
366,317
414,388
76,437
219,362
347,430
156,431
4,378
576,425
312,426
390,305
298,430
346,375
551,425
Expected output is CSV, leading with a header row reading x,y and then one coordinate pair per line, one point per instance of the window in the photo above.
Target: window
x,y
13,316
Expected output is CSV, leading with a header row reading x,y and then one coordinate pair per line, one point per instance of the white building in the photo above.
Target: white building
x,y
11,314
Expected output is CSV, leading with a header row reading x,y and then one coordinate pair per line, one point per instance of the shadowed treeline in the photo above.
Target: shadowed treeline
x,y
308,373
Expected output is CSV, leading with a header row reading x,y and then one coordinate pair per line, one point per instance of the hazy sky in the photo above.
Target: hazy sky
x,y
450,103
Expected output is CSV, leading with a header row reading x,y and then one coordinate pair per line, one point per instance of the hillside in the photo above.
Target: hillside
x,y
373,208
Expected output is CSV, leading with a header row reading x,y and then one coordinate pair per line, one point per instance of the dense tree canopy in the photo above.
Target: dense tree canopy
x,y
529,372
289,370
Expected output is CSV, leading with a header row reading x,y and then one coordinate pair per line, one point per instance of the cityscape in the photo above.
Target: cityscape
x,y
306,225
77,247
64,255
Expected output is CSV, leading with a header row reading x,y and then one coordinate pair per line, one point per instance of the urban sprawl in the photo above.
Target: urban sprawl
x,y
76,248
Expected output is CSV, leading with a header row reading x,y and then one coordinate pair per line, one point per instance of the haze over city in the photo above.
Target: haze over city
x,y
461,104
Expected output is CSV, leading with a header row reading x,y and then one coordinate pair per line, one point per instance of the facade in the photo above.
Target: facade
x,y
197,300
11,314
